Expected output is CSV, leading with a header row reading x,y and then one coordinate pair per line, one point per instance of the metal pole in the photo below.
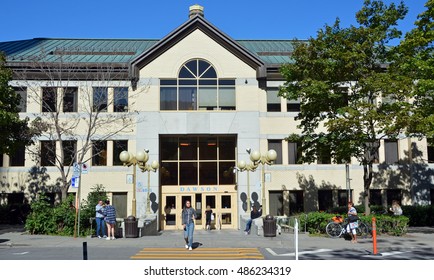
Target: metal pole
x,y
347,176
133,210
264,207
79,199
148,205
248,192
84,250
296,238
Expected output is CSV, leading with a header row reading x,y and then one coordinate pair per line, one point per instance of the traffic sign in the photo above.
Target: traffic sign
x,y
84,168
74,182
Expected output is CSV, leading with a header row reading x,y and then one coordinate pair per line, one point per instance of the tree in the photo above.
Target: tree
x,y
349,99
14,132
75,120
416,61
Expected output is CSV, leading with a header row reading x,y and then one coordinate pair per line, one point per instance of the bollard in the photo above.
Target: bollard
x,y
296,239
374,235
84,250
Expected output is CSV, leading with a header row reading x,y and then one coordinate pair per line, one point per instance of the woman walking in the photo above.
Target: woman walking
x,y
188,216
110,219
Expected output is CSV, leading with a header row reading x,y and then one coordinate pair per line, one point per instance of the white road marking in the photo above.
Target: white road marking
x,y
22,253
300,253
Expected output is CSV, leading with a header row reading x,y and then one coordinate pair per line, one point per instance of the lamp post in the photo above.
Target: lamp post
x,y
257,158
149,167
243,166
140,160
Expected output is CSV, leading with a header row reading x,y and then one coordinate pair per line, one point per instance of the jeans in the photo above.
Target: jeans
x,y
100,226
188,234
249,225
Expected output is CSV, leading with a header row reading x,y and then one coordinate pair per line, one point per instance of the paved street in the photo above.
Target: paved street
x,y
418,244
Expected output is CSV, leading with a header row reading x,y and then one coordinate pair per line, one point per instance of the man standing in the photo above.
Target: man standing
x,y
99,217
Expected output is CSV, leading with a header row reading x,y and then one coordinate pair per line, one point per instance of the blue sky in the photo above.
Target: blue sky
x,y
144,19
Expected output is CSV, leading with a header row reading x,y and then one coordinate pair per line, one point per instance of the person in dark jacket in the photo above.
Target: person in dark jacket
x,y
208,213
254,214
188,216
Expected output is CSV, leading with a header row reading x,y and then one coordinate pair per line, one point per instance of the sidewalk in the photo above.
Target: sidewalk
x,y
14,236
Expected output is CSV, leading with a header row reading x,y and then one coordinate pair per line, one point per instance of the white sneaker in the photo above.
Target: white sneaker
x,y
99,236
108,238
189,248
186,246
113,238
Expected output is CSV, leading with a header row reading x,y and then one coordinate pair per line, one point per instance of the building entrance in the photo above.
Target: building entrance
x,y
221,199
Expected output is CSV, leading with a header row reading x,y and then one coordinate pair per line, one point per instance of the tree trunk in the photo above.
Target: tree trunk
x,y
367,180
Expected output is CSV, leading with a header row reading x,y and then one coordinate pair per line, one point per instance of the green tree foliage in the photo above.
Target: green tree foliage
x,y
349,100
14,132
59,219
416,61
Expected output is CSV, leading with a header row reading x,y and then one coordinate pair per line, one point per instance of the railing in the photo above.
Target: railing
x,y
287,224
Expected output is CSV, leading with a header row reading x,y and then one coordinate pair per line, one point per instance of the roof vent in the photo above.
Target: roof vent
x,y
196,10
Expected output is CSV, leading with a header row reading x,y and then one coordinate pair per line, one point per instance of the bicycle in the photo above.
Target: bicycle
x,y
338,227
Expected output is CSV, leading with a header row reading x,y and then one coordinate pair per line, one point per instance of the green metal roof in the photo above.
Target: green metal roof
x,y
121,50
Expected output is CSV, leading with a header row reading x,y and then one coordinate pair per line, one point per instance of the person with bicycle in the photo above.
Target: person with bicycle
x,y
352,222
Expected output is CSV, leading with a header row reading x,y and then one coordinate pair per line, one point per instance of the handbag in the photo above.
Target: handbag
x,y
212,217
353,218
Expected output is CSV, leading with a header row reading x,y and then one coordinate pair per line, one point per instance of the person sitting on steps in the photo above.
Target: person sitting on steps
x,y
254,214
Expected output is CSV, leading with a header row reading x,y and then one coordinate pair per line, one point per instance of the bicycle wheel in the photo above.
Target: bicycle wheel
x,y
362,230
334,230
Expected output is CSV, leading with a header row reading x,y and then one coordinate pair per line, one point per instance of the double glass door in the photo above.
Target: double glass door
x,y
223,207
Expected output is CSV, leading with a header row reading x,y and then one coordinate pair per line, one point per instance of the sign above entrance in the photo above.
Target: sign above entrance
x,y
198,189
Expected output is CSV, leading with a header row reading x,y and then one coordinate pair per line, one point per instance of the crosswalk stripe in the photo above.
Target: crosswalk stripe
x,y
199,253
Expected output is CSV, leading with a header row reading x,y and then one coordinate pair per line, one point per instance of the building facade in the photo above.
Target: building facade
x,y
198,101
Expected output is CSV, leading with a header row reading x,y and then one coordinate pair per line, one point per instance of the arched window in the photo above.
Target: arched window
x,y
197,88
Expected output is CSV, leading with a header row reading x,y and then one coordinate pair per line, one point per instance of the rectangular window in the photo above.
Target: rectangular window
x,y
70,95
294,153
293,105
391,151
226,201
343,197
168,98
69,152
22,92
276,203
169,173
430,151
121,99
277,146
100,99
49,99
375,197
188,98
207,98
118,147
208,173
1,160
18,158
395,194
273,100
226,97
324,156
296,202
48,153
325,200
99,153
226,173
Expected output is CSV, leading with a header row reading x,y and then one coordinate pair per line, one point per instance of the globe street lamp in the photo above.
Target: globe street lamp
x,y
257,158
243,166
149,167
140,160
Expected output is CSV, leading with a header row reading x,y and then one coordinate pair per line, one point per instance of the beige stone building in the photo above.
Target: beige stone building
x,y
197,100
